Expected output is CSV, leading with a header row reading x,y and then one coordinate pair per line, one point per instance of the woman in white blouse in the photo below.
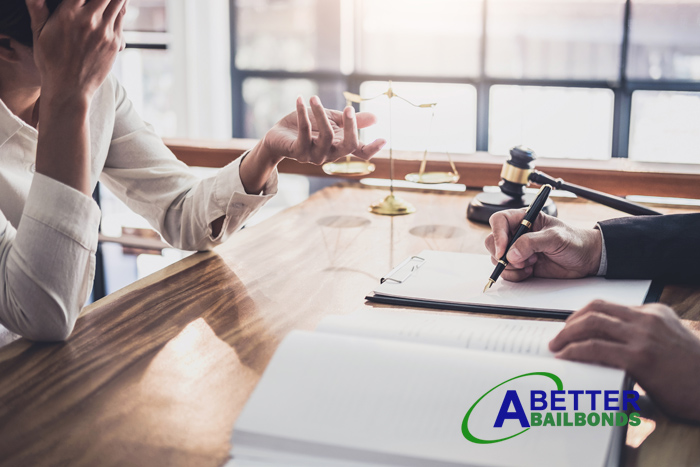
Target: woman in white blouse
x,y
66,123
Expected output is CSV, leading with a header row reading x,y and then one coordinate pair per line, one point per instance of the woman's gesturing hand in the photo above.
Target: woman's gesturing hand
x,y
75,47
314,135
318,135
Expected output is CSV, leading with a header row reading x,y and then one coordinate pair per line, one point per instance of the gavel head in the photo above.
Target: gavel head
x,y
516,171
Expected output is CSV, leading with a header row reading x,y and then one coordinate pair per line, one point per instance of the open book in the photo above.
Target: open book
x,y
448,280
393,388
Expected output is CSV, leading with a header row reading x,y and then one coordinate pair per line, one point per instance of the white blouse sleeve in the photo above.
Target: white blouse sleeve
x,y
146,176
48,262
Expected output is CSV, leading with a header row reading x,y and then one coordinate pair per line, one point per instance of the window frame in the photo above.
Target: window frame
x,y
622,87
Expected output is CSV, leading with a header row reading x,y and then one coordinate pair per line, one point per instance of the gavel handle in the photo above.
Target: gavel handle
x,y
614,202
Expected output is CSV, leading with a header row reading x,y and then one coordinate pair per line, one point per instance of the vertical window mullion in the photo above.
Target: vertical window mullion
x,y
237,104
482,115
623,95
353,83
482,91
621,121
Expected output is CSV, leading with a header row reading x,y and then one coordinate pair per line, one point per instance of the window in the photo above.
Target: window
x,y
560,122
176,68
570,78
664,40
146,68
665,126
450,126
554,39
294,35
663,70
403,37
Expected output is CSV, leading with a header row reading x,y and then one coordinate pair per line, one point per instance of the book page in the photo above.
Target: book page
x,y
448,277
450,329
357,401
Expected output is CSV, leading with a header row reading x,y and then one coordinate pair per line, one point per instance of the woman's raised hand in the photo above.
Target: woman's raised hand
x,y
74,50
316,135
311,135
75,47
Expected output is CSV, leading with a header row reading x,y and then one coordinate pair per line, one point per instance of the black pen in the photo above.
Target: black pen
x,y
532,212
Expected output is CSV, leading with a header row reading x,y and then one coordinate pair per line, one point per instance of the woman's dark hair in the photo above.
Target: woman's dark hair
x,y
15,21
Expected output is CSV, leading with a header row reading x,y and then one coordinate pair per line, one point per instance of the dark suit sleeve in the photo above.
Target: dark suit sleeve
x,y
653,247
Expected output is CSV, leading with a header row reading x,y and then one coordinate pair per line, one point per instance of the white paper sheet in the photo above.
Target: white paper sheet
x,y
518,336
459,278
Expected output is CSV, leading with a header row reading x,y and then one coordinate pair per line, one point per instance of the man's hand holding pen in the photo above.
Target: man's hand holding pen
x,y
552,249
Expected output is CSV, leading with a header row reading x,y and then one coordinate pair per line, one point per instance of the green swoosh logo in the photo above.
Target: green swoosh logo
x,y
465,422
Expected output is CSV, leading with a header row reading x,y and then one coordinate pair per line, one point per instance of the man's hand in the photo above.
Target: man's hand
x,y
649,342
553,249
314,135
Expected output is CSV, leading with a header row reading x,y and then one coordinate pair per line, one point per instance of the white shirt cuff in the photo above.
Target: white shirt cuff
x,y
232,201
603,268
64,209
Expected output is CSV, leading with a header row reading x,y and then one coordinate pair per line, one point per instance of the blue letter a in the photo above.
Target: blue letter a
x,y
517,414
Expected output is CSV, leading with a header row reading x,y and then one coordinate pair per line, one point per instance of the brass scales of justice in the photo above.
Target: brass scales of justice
x,y
393,205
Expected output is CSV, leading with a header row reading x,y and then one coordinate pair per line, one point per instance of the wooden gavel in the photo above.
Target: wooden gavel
x,y
519,171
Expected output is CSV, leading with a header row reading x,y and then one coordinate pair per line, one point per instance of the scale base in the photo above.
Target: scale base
x,y
392,206
349,168
484,205
430,178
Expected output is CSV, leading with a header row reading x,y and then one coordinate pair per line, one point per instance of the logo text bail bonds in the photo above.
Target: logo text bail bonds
x,y
559,407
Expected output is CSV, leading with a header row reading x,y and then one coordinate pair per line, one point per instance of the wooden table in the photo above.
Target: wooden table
x,y
156,374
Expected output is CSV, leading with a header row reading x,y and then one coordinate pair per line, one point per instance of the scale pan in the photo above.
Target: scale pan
x,y
431,178
392,206
348,168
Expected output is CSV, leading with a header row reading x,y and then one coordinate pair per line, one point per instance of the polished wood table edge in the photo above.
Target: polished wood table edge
x,y
618,176
151,279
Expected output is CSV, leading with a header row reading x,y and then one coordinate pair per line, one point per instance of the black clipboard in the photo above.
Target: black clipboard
x,y
404,270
